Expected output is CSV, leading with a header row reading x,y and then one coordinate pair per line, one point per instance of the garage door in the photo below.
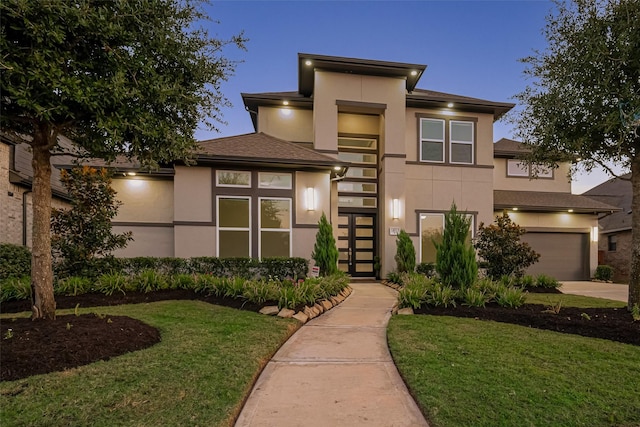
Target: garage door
x,y
564,256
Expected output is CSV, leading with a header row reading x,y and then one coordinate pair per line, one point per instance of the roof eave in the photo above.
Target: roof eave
x,y
498,109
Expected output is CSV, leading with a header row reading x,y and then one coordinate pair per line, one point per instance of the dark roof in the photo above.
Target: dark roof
x,y
548,202
422,98
260,148
616,192
338,64
508,148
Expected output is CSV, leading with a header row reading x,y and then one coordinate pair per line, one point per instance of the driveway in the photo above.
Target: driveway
x,y
612,291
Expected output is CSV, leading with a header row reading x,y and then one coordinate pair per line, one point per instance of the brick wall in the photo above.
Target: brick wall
x,y
620,259
11,197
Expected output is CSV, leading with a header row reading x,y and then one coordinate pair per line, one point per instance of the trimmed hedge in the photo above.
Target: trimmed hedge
x,y
15,261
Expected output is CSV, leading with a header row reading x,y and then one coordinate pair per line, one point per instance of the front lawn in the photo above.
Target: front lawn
x,y
467,372
197,375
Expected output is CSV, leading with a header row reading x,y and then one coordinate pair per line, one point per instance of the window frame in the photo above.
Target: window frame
x,y
218,184
422,140
472,143
612,243
529,174
261,229
470,215
266,187
222,228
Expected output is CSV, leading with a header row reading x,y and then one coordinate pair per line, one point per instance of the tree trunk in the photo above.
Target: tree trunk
x,y
43,304
634,279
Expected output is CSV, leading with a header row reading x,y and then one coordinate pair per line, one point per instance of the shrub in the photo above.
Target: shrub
x,y
474,297
413,294
325,253
15,288
148,281
282,268
426,268
15,261
260,291
72,286
83,232
441,295
511,297
604,272
500,246
394,277
111,283
182,281
455,258
405,253
544,281
526,281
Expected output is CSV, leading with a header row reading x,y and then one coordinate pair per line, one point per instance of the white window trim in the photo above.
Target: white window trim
x,y
471,143
232,185
443,141
260,229
529,172
373,148
219,228
288,187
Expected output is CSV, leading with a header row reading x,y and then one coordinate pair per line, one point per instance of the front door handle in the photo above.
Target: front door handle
x,y
350,255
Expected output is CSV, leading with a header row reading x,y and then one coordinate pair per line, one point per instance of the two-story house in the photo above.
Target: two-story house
x,y
359,142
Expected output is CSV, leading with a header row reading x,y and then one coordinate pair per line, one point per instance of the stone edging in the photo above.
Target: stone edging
x,y
308,313
395,310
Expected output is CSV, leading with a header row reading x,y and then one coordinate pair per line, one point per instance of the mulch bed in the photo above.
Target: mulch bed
x,y
38,347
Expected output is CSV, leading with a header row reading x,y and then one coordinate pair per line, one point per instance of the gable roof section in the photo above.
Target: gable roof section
x,y
508,148
617,192
263,149
548,202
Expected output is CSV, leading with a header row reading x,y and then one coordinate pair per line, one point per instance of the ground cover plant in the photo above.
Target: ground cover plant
x,y
198,374
470,372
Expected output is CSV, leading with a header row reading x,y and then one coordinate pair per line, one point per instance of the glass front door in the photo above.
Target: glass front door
x,y
357,243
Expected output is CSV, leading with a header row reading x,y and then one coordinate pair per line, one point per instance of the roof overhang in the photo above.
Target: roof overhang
x,y
252,101
440,101
309,63
534,201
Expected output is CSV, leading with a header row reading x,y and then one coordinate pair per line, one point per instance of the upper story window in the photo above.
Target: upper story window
x,y
612,242
447,141
275,180
240,179
517,168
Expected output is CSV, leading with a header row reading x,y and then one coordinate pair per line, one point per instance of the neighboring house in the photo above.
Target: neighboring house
x,y
16,177
359,142
561,226
615,228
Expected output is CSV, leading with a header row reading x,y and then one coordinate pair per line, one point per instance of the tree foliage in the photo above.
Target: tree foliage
x,y
325,253
500,246
405,253
584,98
124,77
455,258
83,232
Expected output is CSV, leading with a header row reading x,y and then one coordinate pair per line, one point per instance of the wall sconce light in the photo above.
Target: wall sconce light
x,y
594,234
395,208
311,199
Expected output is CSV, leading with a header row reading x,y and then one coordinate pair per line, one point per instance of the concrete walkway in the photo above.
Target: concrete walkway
x,y
612,291
336,371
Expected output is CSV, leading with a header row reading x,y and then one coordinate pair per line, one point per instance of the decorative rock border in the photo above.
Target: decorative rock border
x,y
308,313
395,310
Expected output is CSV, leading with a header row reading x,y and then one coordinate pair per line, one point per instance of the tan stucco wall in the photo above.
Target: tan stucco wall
x,y
558,223
360,124
560,182
193,193
147,241
290,124
144,200
322,185
194,241
303,240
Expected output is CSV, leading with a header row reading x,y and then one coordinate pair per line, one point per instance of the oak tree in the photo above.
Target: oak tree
x,y
129,78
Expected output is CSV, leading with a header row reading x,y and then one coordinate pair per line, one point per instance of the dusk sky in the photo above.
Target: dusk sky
x,y
471,48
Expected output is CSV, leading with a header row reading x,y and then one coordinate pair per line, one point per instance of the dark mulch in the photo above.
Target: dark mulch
x,y
615,324
40,347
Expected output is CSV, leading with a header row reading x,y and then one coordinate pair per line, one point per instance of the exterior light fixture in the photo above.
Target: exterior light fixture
x,y
450,105
414,73
311,199
285,102
395,208
131,173
594,234
570,210
337,168
307,62
514,209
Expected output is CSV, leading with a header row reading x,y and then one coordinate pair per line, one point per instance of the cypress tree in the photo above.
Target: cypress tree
x,y
325,252
455,257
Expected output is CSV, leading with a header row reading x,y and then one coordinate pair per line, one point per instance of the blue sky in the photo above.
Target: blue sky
x,y
470,47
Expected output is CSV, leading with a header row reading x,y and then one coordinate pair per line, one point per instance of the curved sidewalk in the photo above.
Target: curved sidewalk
x,y
612,291
336,371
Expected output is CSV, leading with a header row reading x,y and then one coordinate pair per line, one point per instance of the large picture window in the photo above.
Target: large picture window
x,y
431,229
275,227
234,226
447,141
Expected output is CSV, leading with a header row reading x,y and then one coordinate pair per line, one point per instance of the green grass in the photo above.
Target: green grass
x,y
466,372
198,374
569,300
